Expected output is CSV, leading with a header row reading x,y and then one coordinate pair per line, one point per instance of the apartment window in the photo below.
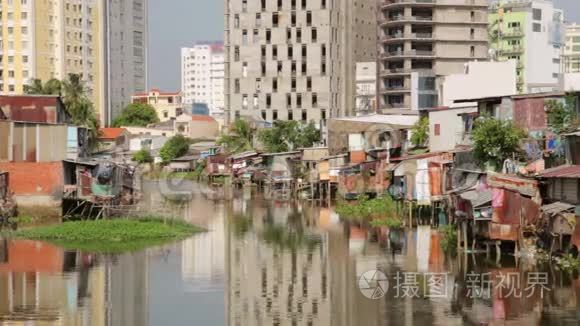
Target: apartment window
x,y
293,19
245,37
290,115
11,88
536,27
263,52
288,100
236,21
258,20
314,35
304,67
308,18
279,67
472,51
555,75
263,115
537,14
323,51
236,53
304,115
290,52
275,85
244,5
275,19
10,73
274,52
309,84
293,69
437,129
23,15
323,68
256,38
279,4
299,35
24,59
323,4
472,33
237,115
263,67
288,35
299,101
245,101
315,100
293,86
268,101
245,69
255,103
472,15
263,5
237,86
303,51
10,59
293,4
275,115
323,114
268,36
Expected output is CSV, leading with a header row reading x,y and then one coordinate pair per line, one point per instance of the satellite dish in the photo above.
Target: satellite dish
x,y
492,54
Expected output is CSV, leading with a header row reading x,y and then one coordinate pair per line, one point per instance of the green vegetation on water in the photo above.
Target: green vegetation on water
x,y
380,211
111,236
449,240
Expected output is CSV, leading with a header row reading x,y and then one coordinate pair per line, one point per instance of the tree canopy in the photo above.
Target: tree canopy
x,y
175,147
137,115
240,137
561,115
288,135
420,132
142,156
495,141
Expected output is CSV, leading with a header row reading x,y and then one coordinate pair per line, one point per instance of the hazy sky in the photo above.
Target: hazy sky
x,y
177,23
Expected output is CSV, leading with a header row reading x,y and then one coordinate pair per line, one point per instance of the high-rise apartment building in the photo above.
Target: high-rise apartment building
x,y
422,40
295,59
531,32
571,55
103,40
125,52
202,76
51,39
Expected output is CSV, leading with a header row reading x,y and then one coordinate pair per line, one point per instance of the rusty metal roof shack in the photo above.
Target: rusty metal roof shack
x,y
34,108
562,183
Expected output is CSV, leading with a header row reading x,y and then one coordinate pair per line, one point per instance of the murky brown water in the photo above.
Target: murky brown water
x,y
265,263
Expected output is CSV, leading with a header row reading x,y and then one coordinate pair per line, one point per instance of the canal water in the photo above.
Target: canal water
x,y
269,263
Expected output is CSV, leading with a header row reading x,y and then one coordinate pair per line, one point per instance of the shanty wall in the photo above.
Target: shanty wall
x,y
35,183
530,114
31,142
566,190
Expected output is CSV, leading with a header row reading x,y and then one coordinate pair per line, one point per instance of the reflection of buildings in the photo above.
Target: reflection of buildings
x,y
202,257
269,284
127,290
42,285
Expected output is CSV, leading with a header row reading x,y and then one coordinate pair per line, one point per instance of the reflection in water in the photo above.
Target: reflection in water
x,y
265,263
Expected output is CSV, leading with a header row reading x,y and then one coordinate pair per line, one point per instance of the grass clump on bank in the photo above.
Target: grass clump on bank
x,y
111,236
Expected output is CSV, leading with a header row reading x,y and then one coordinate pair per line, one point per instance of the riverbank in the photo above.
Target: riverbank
x,y
111,236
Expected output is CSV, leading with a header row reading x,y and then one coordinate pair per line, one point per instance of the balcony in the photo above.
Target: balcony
x,y
515,49
404,54
402,71
514,32
395,89
403,19
409,36
395,3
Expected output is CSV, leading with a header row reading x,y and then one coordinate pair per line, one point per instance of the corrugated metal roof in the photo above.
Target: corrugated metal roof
x,y
564,171
557,207
394,119
478,198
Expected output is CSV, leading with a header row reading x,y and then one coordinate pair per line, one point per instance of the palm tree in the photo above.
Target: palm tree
x,y
75,100
240,137
51,87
